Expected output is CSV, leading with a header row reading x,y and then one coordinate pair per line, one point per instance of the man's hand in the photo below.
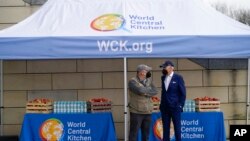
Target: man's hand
x,y
148,74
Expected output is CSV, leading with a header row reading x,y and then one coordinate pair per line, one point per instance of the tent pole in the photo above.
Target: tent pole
x,y
1,96
248,88
125,87
125,100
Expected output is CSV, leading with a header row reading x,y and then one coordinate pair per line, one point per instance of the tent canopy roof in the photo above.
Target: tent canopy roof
x,y
125,28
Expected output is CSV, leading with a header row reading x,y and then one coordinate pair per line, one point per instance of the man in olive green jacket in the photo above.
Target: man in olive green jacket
x,y
141,89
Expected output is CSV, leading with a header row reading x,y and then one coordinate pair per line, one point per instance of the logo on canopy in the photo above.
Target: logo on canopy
x,y
108,22
51,130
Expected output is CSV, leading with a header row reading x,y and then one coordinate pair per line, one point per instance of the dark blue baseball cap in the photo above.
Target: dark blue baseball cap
x,y
167,63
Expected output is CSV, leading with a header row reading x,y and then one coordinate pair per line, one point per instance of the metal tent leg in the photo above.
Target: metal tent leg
x,y
1,96
248,89
125,101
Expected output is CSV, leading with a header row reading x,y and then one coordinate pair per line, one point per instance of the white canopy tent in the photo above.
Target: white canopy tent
x,y
125,29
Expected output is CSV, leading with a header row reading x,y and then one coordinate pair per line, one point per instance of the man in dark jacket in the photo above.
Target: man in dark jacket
x,y
173,98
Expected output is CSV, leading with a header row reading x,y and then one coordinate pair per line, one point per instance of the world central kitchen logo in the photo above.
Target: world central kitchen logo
x,y
158,130
108,22
51,130
112,22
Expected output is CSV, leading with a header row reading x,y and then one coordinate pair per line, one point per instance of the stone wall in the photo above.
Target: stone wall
x,y
87,78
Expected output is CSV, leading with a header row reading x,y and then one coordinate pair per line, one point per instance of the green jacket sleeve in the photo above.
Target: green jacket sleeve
x,y
147,89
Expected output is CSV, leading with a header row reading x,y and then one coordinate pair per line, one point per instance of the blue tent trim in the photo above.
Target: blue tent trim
x,y
228,46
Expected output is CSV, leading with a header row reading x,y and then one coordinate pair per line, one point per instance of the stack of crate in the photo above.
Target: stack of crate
x,y
99,105
207,104
41,105
156,104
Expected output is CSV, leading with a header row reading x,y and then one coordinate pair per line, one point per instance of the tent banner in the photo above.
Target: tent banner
x,y
119,47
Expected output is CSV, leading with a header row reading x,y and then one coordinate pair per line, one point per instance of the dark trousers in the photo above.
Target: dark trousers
x,y
173,114
137,122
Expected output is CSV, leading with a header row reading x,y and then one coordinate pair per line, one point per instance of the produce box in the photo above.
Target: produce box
x,y
156,104
99,105
207,104
39,106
